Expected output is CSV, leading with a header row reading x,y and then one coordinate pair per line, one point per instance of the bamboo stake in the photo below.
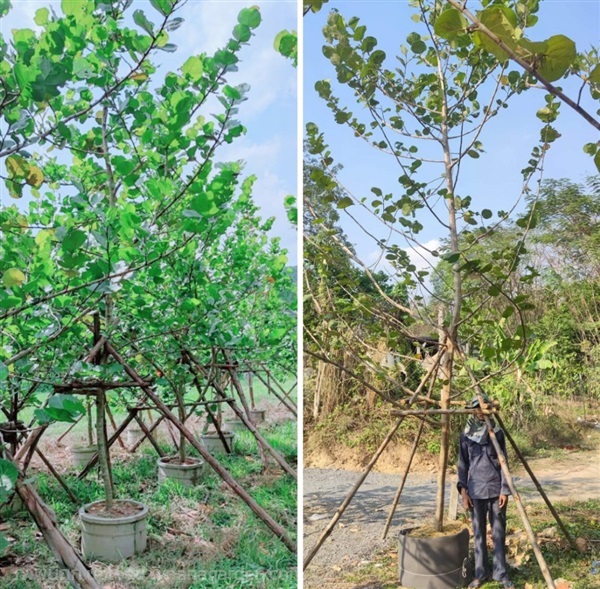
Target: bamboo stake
x,y
340,511
277,395
57,476
215,465
248,423
433,368
406,412
536,483
509,480
401,487
78,573
149,435
70,428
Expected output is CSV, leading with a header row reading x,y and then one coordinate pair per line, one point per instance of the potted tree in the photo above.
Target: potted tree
x,y
429,114
181,467
83,454
111,530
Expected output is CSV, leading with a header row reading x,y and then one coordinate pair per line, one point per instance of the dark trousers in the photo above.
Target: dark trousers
x,y
482,510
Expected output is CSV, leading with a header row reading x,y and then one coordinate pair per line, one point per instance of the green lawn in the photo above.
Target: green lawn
x,y
201,538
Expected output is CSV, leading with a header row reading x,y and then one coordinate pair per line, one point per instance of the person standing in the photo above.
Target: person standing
x,y
484,493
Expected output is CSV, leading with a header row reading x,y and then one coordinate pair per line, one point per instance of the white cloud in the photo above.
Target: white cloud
x,y
420,255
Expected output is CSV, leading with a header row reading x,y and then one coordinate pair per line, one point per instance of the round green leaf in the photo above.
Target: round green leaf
x,y
418,47
73,240
242,33
501,21
8,475
193,67
557,59
344,202
249,17
450,24
13,277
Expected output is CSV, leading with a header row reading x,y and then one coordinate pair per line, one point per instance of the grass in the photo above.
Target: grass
x,y
581,518
203,537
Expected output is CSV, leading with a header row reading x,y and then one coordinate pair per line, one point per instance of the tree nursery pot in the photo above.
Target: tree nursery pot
x,y
187,474
82,455
257,416
433,563
213,442
113,539
234,425
134,435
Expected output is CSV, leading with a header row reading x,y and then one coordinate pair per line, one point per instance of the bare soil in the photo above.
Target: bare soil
x,y
119,509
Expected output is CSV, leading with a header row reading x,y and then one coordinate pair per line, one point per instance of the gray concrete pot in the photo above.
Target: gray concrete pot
x,y
82,455
188,475
234,425
433,563
212,442
134,435
257,416
113,539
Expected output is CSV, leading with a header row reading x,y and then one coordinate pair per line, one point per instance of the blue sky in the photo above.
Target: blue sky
x,y
494,180
270,145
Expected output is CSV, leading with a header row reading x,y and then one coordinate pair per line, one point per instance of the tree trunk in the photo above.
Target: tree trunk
x,y
103,454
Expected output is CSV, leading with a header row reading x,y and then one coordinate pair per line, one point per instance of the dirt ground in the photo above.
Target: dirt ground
x,y
358,536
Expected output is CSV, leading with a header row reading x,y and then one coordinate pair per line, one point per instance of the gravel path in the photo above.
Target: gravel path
x,y
358,535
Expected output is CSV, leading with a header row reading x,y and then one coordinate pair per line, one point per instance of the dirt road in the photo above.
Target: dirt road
x,y
359,534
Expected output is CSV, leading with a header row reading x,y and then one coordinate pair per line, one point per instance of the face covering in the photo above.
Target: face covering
x,y
477,431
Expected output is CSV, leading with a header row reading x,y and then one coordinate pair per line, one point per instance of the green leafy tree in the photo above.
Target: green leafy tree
x,y
428,113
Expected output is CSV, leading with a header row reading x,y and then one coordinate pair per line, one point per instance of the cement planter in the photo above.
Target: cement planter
x,y
212,442
257,416
433,563
133,435
234,425
188,475
82,455
113,539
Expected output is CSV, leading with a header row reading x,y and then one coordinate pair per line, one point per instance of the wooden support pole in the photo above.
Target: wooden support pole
x,y
537,483
143,438
149,435
70,428
338,514
57,477
208,457
32,440
405,476
286,394
248,422
291,409
421,412
511,485
430,372
78,573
